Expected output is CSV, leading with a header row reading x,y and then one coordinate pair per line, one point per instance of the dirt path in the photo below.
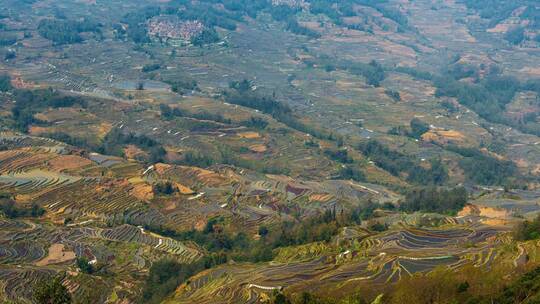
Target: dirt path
x,y
522,256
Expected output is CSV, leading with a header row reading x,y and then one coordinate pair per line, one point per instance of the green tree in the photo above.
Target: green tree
x,y
5,83
528,230
84,265
515,36
418,128
280,298
52,291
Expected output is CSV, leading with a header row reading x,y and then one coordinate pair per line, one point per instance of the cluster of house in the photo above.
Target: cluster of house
x,y
291,3
174,29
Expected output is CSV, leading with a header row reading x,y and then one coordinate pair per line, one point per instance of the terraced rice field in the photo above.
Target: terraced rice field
x,y
97,191
375,260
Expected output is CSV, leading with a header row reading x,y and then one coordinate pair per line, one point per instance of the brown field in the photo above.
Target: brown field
x,y
68,162
142,191
443,136
57,255
258,148
249,135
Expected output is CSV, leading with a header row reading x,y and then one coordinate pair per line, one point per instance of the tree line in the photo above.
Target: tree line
x,y
482,168
399,164
434,199
10,209
67,31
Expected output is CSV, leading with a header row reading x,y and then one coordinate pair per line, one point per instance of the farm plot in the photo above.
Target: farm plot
x,y
13,141
17,280
87,196
21,252
128,233
17,161
34,181
380,260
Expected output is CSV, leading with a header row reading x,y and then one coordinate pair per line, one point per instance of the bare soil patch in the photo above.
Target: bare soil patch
x,y
57,255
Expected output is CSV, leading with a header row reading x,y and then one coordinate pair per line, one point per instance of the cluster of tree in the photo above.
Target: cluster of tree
x,y
396,16
249,7
182,85
294,27
136,24
498,10
242,93
337,10
387,12
84,265
333,12
283,12
115,140
433,199
51,290
70,140
10,209
191,158
5,83
167,274
482,168
532,13
224,244
287,14
397,163
339,155
528,230
393,94
416,129
516,35
525,290
460,71
164,277
231,156
487,97
352,172
164,188
234,12
305,297
10,54
151,67
255,122
532,85
217,237
207,36
31,102
494,10
372,71
170,113
211,16
422,75
7,39
350,169
66,31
